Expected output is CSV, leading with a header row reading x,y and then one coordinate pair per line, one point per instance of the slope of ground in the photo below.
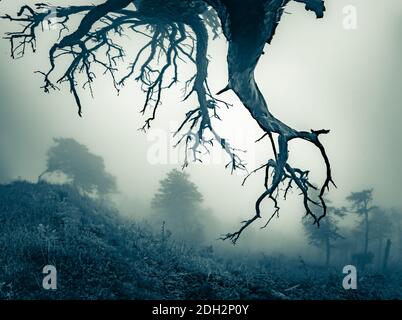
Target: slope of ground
x,y
100,255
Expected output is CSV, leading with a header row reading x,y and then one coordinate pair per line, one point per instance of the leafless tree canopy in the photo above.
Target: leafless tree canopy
x,y
177,31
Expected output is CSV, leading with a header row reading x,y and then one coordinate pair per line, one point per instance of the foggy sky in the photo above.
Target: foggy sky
x,y
315,75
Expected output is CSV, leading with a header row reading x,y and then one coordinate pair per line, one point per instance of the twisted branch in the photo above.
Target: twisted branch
x,y
177,32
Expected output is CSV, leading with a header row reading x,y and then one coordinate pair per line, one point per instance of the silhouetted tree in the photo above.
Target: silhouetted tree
x,y
380,230
396,216
177,203
361,204
177,30
85,169
327,234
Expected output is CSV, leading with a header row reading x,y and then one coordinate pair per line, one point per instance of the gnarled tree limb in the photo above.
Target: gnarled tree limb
x,y
177,30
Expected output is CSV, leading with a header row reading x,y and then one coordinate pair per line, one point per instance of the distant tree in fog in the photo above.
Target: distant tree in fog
x,y
381,229
85,169
177,203
327,234
361,203
396,216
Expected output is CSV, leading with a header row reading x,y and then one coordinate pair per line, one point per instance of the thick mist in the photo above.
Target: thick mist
x,y
314,75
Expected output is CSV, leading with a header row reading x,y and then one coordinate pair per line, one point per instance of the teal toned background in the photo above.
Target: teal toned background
x,y
315,75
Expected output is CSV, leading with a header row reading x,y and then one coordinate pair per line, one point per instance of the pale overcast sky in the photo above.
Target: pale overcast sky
x,y
315,74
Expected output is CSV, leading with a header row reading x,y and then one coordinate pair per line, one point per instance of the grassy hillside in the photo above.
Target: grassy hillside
x,y
100,255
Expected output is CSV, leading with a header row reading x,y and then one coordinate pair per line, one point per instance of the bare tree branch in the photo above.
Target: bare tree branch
x,y
176,33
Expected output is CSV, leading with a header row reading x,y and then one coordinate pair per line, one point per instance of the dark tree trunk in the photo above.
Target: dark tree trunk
x,y
366,234
386,256
399,245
